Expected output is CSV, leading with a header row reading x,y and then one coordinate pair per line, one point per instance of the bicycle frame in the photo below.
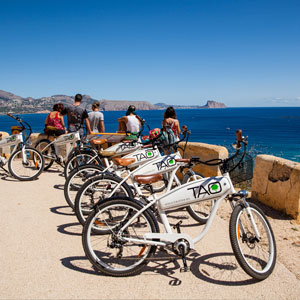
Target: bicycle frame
x,y
187,192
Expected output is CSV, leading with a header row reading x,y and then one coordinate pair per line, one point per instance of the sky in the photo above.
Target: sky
x,y
241,53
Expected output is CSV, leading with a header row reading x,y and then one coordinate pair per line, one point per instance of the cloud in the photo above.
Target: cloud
x,y
281,101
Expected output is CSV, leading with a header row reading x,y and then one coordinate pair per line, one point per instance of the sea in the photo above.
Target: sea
x,y
270,130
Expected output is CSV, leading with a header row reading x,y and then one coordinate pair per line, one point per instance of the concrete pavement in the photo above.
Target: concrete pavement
x,y
42,257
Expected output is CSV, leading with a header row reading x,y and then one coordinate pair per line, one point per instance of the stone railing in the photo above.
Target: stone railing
x,y
276,183
205,152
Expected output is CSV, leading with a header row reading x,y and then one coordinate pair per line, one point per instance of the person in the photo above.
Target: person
x,y
131,122
76,115
54,123
96,118
170,120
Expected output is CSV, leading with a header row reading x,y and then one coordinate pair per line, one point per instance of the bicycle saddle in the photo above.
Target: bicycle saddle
x,y
148,179
98,141
124,162
107,153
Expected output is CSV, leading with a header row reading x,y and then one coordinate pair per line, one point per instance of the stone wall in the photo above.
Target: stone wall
x,y
276,183
205,152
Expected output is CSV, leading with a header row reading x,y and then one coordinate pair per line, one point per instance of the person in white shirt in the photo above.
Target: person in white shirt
x,y
96,119
130,122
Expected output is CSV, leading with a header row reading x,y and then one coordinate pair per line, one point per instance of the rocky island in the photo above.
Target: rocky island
x,y
15,104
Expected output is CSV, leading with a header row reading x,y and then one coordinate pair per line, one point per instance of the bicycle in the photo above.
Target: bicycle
x,y
25,163
121,234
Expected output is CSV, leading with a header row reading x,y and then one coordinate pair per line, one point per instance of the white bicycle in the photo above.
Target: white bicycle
x,y
121,234
25,163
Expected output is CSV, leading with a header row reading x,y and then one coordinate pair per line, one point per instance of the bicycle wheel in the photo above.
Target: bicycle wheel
x,y
96,189
256,256
76,179
48,152
199,211
26,164
110,253
82,158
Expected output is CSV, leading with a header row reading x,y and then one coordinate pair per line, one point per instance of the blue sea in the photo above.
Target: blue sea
x,y
274,130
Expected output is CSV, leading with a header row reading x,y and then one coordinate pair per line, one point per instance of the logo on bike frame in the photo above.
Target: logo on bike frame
x,y
213,188
164,164
142,156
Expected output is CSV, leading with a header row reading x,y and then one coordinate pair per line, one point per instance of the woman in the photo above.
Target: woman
x,y
170,121
54,123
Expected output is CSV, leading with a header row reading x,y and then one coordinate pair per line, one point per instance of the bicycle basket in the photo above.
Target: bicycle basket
x,y
244,171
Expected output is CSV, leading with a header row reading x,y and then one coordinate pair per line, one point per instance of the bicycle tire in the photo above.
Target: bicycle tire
x,y
41,145
76,179
85,199
139,255
243,239
29,171
80,159
199,211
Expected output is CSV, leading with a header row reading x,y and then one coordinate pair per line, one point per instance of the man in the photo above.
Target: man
x,y
76,115
96,118
131,122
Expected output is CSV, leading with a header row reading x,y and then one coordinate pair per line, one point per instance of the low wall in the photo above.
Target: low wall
x,y
276,183
205,152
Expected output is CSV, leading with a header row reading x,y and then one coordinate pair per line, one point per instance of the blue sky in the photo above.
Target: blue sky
x,y
242,53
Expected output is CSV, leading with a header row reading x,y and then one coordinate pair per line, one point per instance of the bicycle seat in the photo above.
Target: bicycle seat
x,y
107,153
183,160
148,179
124,162
98,141
128,141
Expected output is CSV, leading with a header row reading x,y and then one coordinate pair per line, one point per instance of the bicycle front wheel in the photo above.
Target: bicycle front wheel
x,y
26,164
76,179
110,253
96,189
256,254
48,151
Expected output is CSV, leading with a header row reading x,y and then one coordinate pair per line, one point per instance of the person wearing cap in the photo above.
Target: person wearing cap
x,y
130,122
96,118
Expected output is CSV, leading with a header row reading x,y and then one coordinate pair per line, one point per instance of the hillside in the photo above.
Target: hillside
x,y
15,104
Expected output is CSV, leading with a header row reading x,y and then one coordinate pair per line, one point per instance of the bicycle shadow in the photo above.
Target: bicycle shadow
x,y
56,210
215,268
70,229
59,187
220,268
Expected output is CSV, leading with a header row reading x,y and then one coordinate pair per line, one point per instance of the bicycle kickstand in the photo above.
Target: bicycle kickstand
x,y
185,267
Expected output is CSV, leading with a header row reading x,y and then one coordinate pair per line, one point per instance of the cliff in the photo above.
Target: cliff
x,y
16,104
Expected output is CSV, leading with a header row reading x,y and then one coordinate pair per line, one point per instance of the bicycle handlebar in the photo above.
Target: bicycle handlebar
x,y
217,161
19,120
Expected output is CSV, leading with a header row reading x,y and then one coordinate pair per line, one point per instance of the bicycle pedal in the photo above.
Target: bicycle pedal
x,y
185,269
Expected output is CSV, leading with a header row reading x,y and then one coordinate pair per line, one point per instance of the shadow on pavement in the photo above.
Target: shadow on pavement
x,y
59,187
220,268
76,228
60,210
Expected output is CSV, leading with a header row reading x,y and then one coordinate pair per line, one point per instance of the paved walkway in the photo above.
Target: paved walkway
x,y
42,257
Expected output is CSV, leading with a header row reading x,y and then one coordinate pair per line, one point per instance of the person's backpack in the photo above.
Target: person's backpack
x,y
168,137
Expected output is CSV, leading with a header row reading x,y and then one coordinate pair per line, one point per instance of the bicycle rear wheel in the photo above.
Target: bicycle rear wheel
x,y
257,256
76,179
48,152
27,167
96,189
109,253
